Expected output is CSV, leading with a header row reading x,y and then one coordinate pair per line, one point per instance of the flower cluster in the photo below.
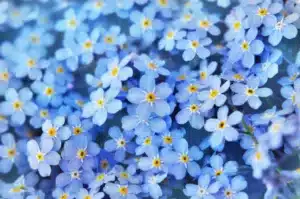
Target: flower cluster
x,y
129,99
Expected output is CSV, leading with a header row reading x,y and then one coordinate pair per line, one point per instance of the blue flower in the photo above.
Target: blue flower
x,y
147,144
213,96
249,92
71,21
111,40
246,49
151,97
101,104
128,175
97,8
59,193
206,188
83,194
80,151
222,127
191,112
48,91
184,159
188,90
206,70
171,35
150,66
291,94
56,130
206,22
234,188
102,178
194,44
79,126
41,156
117,71
143,123
236,23
18,105
152,184
145,25
119,144
8,152
118,191
282,27
259,160
293,71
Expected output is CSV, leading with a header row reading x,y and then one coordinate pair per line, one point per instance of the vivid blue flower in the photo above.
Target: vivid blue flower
x,y
171,35
194,44
291,94
8,152
206,70
41,156
151,97
117,71
206,22
59,193
249,92
128,175
205,189
282,27
234,188
222,127
236,23
147,144
246,49
145,24
101,104
184,159
293,71
150,66
213,96
119,144
188,90
79,126
143,123
102,178
152,184
71,21
97,8
118,191
17,105
83,194
80,151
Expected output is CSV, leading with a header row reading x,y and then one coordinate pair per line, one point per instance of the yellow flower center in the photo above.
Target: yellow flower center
x,y
238,77
100,177
35,39
121,143
275,127
156,163
146,23
64,196
218,172
147,141
152,66
192,88
258,156
72,23
170,35
77,130
88,45
100,102
123,190
262,12
184,158
11,152
81,154
40,156
18,189
17,105
222,125
108,39
204,24
52,132
213,93
195,44
245,46
293,77
99,4
168,139
203,75
4,76
49,91
163,2
104,164
150,97
124,175
31,63
87,197
181,77
59,69
228,194
194,108
114,71
44,113
2,117
237,25
250,91
79,102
